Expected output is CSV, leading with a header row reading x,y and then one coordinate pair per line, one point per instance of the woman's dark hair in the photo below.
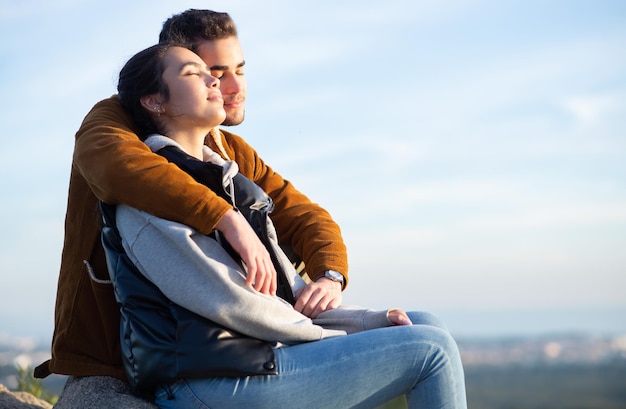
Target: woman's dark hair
x,y
143,75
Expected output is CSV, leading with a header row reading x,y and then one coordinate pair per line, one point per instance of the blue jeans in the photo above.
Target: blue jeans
x,y
361,370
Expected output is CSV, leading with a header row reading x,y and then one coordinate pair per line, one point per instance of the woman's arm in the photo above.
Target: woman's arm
x,y
194,271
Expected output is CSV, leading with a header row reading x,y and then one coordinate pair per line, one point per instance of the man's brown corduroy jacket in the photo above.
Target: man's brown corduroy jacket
x,y
111,164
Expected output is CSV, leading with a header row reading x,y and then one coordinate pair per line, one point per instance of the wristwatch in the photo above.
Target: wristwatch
x,y
335,276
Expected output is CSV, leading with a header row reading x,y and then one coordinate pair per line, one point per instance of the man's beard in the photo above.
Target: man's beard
x,y
232,120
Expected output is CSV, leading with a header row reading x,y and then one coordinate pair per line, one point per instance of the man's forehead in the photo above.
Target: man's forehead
x,y
226,51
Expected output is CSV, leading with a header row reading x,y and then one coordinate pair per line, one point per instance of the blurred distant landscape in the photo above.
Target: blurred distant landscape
x,y
565,371
558,371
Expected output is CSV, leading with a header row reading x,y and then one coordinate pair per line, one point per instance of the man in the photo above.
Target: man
x,y
111,164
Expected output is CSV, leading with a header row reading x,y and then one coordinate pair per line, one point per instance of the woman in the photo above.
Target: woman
x,y
240,282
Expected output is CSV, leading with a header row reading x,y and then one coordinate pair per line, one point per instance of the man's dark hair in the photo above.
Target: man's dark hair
x,y
193,25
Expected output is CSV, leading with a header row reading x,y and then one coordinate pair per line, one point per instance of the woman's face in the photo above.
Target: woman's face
x,y
195,99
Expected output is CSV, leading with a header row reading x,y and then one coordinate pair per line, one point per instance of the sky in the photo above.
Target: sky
x,y
473,152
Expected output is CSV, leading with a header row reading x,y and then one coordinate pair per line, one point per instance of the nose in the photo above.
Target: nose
x,y
231,84
212,82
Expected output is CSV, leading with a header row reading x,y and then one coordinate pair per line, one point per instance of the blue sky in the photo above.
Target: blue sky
x,y
474,152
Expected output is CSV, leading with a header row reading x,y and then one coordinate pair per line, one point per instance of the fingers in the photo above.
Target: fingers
x,y
399,317
309,302
318,297
268,274
268,285
260,274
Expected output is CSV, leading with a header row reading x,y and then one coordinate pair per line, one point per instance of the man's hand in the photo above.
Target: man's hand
x,y
317,297
261,273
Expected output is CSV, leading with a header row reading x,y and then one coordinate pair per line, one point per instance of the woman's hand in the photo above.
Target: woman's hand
x,y
398,317
261,273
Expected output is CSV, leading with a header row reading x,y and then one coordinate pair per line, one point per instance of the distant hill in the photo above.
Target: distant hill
x,y
555,348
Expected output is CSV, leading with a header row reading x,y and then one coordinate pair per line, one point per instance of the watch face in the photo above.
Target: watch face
x,y
333,275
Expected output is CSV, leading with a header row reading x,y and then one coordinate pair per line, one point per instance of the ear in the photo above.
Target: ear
x,y
152,103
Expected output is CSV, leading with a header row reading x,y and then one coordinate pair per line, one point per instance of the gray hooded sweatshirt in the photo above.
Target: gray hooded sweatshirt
x,y
195,272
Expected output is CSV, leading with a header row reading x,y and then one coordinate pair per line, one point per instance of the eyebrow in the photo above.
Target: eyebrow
x,y
195,64
225,67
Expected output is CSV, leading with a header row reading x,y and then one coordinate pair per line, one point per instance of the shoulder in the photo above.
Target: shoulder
x,y
109,106
234,142
241,152
109,114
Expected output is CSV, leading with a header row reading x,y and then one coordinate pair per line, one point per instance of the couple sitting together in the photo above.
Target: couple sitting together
x,y
185,293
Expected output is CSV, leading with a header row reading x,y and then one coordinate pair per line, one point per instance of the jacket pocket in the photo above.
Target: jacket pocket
x,y
103,323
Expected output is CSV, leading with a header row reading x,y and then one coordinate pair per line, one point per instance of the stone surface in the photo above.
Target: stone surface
x,y
20,400
99,392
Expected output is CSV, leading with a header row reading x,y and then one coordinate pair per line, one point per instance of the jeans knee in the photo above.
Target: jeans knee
x,y
426,318
438,340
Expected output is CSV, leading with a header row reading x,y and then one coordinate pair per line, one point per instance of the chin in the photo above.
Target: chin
x,y
234,118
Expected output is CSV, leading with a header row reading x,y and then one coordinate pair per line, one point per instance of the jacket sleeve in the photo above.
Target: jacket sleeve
x,y
304,225
120,168
195,272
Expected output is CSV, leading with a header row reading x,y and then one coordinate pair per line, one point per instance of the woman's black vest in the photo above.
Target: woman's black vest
x,y
162,341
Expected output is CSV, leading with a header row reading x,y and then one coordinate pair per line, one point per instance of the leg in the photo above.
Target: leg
x,y
426,318
361,370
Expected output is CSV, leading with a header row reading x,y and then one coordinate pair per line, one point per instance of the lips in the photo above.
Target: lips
x,y
234,102
215,96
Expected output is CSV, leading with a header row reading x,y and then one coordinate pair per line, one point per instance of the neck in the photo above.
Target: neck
x,y
191,141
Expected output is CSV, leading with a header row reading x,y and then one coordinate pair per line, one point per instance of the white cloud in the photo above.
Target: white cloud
x,y
538,76
464,191
565,214
590,109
